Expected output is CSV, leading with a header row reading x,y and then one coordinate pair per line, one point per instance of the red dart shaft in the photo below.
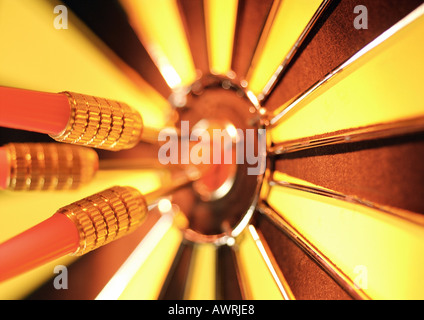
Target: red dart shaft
x,y
33,111
4,168
47,241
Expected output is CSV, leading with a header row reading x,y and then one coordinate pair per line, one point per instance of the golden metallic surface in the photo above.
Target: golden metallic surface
x,y
50,166
101,123
106,216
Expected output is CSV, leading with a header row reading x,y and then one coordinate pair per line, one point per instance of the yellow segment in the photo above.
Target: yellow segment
x,y
383,85
380,253
20,211
256,276
159,26
201,284
35,55
285,27
220,16
150,277
22,285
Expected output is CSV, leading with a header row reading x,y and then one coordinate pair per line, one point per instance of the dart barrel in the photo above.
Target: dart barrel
x,y
101,123
49,166
106,216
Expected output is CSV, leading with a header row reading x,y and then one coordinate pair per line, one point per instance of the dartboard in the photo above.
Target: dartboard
x,y
324,197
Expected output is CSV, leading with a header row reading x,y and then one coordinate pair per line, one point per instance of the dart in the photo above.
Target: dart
x,y
74,118
83,226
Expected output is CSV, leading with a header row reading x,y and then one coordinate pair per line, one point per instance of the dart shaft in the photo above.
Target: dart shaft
x,y
4,168
47,241
33,111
